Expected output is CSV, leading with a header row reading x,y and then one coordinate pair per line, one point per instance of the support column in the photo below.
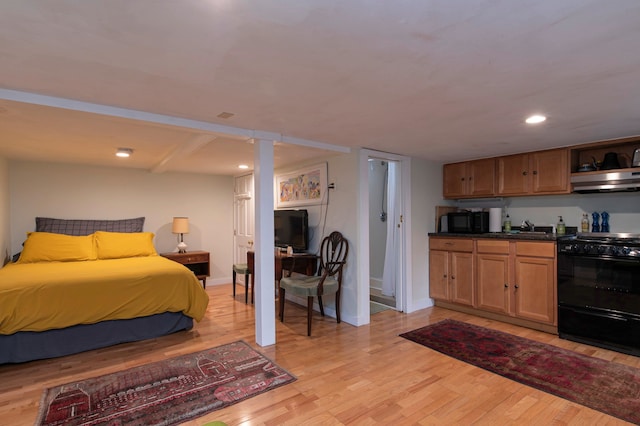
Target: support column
x,y
264,243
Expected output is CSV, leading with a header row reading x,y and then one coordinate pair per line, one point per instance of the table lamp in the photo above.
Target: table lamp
x,y
181,226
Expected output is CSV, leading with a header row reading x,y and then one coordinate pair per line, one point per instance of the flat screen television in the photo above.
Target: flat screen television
x,y
291,228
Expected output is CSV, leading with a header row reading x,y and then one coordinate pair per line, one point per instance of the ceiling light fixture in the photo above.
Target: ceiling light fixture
x,y
124,152
243,166
535,119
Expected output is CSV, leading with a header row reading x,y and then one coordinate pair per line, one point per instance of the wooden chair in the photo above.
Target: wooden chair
x,y
333,254
242,268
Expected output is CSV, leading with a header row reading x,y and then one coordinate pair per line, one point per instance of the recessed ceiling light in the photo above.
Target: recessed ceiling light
x,y
124,152
535,119
243,166
225,115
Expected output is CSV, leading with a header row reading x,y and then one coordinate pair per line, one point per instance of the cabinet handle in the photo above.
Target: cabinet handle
x,y
524,173
470,177
444,276
535,172
452,277
517,286
462,179
506,285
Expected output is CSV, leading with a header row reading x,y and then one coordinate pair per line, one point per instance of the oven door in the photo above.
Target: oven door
x,y
599,301
601,282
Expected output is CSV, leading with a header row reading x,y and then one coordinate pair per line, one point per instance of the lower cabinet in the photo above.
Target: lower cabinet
x,y
517,278
502,278
535,281
451,270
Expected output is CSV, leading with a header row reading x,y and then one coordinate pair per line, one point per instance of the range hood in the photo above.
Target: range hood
x,y
606,181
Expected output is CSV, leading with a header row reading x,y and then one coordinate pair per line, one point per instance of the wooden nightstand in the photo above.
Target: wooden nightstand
x,y
196,261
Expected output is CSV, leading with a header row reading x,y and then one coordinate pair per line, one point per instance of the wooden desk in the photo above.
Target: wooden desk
x,y
305,263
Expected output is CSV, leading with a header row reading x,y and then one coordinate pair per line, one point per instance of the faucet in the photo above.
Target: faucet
x,y
526,225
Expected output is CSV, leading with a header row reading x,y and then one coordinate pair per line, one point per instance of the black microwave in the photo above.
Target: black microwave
x,y
468,222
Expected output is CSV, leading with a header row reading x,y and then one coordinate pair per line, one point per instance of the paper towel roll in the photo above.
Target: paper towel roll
x,y
495,219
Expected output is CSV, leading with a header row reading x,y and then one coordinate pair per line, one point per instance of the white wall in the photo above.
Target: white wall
x,y
426,194
86,192
623,208
5,236
340,211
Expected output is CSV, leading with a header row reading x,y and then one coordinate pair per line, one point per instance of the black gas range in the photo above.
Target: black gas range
x,y
599,290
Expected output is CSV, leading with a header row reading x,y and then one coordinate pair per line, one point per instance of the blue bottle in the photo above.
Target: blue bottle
x,y
595,225
605,222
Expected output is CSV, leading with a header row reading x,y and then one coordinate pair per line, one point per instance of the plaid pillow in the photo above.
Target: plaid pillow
x,y
87,226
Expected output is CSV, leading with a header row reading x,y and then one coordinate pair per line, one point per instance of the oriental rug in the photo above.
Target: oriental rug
x,y
166,392
605,386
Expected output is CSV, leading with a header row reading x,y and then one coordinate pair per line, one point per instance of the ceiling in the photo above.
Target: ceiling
x,y
439,80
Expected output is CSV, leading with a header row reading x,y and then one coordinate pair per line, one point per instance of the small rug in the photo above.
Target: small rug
x,y
606,386
166,392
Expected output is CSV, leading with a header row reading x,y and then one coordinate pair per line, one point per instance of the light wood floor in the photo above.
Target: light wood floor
x,y
346,375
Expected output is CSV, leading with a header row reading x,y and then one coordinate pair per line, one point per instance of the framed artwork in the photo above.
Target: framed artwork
x,y
304,187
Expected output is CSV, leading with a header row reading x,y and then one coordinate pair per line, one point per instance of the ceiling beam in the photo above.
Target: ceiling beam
x,y
131,114
183,150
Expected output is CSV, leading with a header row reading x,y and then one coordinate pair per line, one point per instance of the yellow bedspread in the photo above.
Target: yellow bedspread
x,y
49,295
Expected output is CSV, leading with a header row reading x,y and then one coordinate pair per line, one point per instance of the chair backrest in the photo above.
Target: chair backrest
x,y
333,253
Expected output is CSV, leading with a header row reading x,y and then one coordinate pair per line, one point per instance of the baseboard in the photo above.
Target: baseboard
x,y
498,317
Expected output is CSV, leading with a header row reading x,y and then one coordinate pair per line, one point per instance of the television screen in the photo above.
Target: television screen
x,y
291,228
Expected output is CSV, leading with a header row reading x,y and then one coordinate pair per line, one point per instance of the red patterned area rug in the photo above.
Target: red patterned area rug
x,y
166,392
606,386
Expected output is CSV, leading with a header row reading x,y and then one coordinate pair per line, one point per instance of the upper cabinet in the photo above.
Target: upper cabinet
x,y
470,179
534,173
592,155
541,172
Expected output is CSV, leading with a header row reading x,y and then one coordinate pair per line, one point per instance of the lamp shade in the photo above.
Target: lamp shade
x,y
180,225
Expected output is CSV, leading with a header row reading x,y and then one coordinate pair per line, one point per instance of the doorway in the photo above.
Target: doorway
x,y
385,234
382,291
243,219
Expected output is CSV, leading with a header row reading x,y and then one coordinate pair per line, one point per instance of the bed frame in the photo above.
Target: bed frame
x,y
26,346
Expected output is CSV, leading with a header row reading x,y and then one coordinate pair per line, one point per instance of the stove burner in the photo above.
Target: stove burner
x,y
616,245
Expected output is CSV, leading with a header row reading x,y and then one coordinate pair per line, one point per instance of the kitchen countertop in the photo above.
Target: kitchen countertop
x,y
531,236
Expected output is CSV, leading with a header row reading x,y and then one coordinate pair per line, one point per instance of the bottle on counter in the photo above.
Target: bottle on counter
x,y
585,222
605,222
560,228
507,223
595,225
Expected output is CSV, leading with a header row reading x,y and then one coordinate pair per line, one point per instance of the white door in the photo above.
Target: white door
x,y
243,218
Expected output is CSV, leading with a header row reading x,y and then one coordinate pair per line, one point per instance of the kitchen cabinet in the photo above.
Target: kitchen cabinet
x,y
469,179
587,154
493,276
451,277
517,278
541,172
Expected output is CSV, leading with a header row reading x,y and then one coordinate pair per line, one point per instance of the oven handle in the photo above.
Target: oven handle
x,y
604,258
617,317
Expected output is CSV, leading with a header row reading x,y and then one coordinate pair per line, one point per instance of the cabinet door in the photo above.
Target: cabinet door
x,y
461,278
493,282
513,174
550,171
439,274
454,180
534,289
482,177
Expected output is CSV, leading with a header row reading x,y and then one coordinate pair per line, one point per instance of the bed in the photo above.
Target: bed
x,y
83,284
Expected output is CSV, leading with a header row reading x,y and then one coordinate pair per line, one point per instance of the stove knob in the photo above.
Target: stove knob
x,y
623,251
